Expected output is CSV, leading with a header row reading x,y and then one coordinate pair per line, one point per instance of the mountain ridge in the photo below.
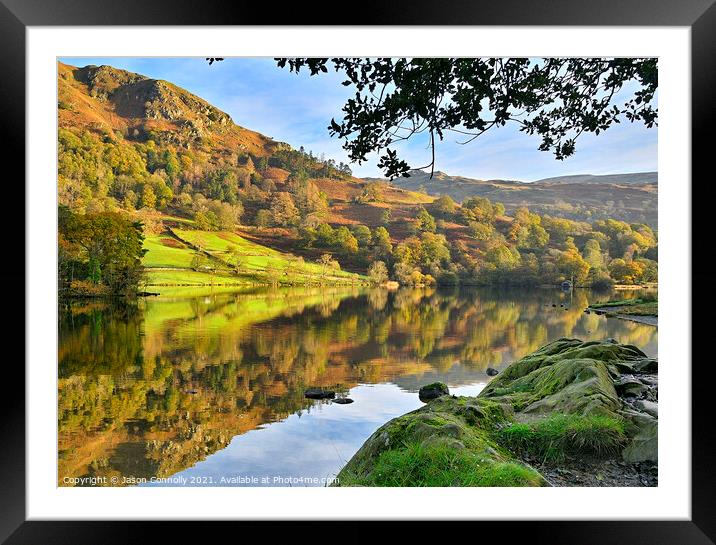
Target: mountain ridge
x,y
649,177
631,197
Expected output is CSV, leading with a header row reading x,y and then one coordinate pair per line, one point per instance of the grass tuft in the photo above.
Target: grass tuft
x,y
561,435
419,464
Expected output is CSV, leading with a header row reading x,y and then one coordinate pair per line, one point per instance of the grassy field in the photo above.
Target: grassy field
x,y
231,260
189,277
166,251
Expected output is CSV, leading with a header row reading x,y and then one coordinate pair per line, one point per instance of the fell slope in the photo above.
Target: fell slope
x,y
124,106
627,197
108,100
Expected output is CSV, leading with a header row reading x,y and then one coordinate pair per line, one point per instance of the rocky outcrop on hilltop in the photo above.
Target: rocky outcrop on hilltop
x,y
112,102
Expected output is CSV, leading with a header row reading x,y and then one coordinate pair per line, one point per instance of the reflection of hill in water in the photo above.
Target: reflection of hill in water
x,y
152,389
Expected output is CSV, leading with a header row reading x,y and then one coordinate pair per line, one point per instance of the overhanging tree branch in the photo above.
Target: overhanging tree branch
x,y
556,99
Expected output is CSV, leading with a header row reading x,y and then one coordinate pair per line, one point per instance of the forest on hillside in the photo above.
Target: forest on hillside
x,y
110,179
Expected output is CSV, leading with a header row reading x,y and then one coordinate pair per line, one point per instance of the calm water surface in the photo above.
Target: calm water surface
x,y
207,389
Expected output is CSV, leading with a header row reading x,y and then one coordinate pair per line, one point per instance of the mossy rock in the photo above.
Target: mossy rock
x,y
566,376
419,448
433,391
563,394
644,446
644,439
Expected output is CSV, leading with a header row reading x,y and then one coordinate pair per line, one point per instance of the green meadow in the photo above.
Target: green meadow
x,y
183,257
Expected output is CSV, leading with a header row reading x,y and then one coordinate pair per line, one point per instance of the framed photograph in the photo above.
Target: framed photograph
x,y
408,269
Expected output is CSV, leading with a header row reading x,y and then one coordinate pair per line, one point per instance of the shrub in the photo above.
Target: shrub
x,y
448,278
602,283
87,288
378,272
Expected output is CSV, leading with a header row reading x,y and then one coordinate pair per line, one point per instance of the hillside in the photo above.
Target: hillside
x,y
218,204
192,257
137,132
627,197
115,103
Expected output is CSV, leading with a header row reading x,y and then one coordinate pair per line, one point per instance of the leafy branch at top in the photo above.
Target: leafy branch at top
x,y
556,99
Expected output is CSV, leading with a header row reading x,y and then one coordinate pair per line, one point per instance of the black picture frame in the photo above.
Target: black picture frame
x,y
699,15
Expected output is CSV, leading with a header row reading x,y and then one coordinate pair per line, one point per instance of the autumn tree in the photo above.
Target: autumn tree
x,y
283,210
571,263
382,247
478,209
445,206
378,272
363,235
327,264
593,254
149,198
403,273
424,221
627,272
106,247
481,231
345,241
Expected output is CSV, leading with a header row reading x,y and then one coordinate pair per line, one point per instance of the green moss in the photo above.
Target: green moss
x,y
556,403
559,435
418,464
460,423
566,376
434,386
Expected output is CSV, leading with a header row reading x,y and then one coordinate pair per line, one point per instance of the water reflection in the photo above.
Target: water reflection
x,y
164,386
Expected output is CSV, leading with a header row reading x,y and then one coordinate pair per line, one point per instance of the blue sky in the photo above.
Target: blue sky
x,y
298,108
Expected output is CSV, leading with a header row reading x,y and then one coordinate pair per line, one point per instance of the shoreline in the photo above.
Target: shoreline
x,y
640,319
614,312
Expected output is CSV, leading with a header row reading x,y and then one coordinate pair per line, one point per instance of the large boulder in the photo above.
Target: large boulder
x,y
565,399
644,445
447,442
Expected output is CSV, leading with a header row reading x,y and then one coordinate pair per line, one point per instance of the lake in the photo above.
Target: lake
x,y
206,388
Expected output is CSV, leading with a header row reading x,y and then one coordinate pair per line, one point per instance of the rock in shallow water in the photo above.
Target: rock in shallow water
x,y
490,371
433,391
343,400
